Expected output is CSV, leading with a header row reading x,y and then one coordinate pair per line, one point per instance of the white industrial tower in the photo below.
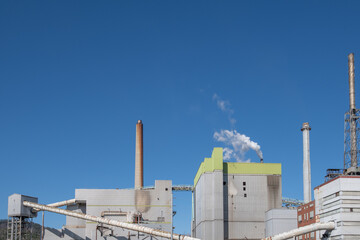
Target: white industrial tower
x,y
306,162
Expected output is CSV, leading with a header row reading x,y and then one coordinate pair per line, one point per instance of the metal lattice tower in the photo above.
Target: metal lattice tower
x,y
19,228
352,131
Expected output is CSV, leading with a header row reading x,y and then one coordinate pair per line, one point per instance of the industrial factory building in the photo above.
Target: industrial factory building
x,y
338,200
150,207
231,199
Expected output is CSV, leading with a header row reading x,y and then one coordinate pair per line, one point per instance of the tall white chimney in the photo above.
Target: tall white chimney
x,y
306,162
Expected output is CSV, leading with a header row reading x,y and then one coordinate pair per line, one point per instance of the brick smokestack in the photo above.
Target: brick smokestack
x,y
139,154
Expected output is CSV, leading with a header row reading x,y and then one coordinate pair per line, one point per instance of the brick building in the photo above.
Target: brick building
x,y
306,216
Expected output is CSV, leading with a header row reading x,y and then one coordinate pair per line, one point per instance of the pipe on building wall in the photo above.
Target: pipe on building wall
x,y
353,145
139,155
302,230
43,226
111,222
182,188
113,213
306,162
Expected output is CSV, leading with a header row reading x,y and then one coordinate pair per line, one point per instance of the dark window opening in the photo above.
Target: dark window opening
x,y
244,188
224,183
244,183
245,195
166,189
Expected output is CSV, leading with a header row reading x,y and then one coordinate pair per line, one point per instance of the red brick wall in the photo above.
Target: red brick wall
x,y
306,216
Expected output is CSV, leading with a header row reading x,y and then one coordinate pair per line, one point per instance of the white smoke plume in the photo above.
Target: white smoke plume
x,y
225,107
240,144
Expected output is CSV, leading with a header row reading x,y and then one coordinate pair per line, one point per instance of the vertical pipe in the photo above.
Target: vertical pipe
x,y
12,228
20,237
353,138
139,154
306,162
172,217
42,226
351,81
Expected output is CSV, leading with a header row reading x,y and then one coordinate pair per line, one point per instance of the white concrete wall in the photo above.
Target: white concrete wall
x,y
280,220
225,208
209,212
339,201
245,205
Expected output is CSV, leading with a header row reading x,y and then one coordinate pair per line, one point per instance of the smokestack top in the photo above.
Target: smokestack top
x,y
351,56
139,122
305,126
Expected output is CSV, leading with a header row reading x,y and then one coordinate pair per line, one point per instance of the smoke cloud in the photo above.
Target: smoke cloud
x,y
237,144
240,144
224,106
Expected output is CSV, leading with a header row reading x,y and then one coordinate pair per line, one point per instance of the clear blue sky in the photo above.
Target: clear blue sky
x,y
75,76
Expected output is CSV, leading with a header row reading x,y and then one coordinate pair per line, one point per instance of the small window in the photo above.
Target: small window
x,y
244,183
311,214
244,188
166,189
224,183
351,209
245,195
300,218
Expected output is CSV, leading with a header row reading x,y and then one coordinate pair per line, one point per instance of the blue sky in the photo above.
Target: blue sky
x,y
75,76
